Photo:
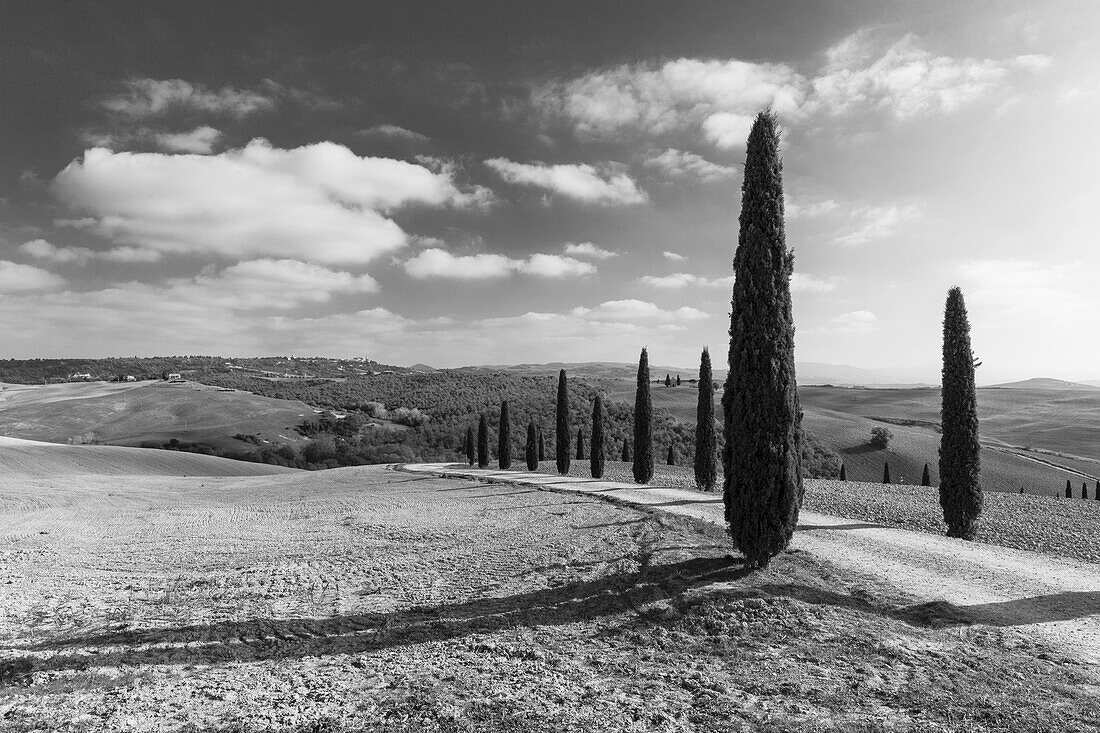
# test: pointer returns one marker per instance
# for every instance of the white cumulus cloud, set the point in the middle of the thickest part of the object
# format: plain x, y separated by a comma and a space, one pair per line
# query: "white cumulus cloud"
17, 278
201, 140
152, 97
605, 185
317, 203
678, 164
439, 263
587, 249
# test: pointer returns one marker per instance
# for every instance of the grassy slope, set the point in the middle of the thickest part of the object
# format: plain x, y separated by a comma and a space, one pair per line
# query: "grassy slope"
127, 414
839, 417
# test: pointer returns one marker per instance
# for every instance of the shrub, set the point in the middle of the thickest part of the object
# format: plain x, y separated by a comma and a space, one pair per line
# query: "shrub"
880, 437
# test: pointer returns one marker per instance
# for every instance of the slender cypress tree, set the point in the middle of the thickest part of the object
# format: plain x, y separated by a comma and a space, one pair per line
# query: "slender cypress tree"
643, 424
1069, 489
1096, 491
960, 452
1084, 490
677, 380
671, 460
596, 452
926, 477
504, 438
668, 381
761, 413
483, 442
470, 444
542, 447
886, 473
843, 473
580, 444
561, 434
626, 450
531, 453
706, 438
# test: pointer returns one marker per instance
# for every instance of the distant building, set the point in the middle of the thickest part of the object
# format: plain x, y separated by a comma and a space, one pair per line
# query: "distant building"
131, 378
175, 377
80, 377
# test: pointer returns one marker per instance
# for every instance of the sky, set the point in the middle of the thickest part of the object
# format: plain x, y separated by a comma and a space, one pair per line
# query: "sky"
518, 182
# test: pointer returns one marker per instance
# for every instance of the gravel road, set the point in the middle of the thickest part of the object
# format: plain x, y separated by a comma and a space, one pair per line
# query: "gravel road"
1055, 599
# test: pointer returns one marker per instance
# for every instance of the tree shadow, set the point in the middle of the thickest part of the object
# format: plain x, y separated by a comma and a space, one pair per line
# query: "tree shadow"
859, 449
812, 527
295, 638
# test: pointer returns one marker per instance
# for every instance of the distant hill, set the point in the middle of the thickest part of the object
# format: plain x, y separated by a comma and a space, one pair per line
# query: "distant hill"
422, 368
1047, 383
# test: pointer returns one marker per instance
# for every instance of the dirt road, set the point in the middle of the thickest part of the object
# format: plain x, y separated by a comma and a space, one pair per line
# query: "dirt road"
1056, 600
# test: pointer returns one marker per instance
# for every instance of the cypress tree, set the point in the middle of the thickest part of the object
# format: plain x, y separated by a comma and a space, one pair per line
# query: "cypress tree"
671, 455
1084, 490
706, 439
886, 473
504, 438
626, 450
531, 453
643, 424
542, 447
677, 380
926, 477
561, 435
580, 444
483, 442
1069, 489
668, 381
960, 452
470, 444
843, 473
761, 413
596, 452
1096, 491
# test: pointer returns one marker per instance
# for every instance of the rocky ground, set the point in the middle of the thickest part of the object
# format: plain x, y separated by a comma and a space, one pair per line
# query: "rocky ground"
366, 599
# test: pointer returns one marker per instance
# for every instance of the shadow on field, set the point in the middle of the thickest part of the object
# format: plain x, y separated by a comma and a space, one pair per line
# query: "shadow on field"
235, 641
811, 527
856, 450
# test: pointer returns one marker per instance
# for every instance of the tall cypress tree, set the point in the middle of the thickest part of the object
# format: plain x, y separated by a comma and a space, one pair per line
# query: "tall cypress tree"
531, 453
1084, 490
1069, 489
1096, 491
580, 444
706, 439
668, 381
626, 450
886, 473
561, 435
671, 458
483, 442
762, 417
677, 380
926, 477
596, 451
643, 424
470, 444
542, 447
504, 438
960, 452
843, 473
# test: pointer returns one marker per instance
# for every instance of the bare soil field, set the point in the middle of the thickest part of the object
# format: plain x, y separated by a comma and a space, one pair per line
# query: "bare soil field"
131, 412
370, 599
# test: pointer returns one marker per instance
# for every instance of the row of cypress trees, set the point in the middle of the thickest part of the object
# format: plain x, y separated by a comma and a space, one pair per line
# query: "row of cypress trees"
762, 417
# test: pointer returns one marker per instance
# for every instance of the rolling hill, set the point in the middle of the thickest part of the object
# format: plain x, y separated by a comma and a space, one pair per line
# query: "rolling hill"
134, 412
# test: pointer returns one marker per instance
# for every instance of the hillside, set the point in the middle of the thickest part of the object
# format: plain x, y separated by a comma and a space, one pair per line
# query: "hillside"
130, 413
33, 459
1047, 383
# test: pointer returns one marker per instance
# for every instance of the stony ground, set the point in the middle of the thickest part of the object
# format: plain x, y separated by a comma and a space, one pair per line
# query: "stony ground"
366, 599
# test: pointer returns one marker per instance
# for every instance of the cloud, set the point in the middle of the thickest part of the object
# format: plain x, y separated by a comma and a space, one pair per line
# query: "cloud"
637, 310
854, 323
318, 203
44, 250
270, 284
394, 131
906, 80
587, 249
153, 97
679, 280
875, 222
675, 257
16, 278
438, 263
656, 99
677, 164
795, 210
803, 283
604, 185
201, 140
